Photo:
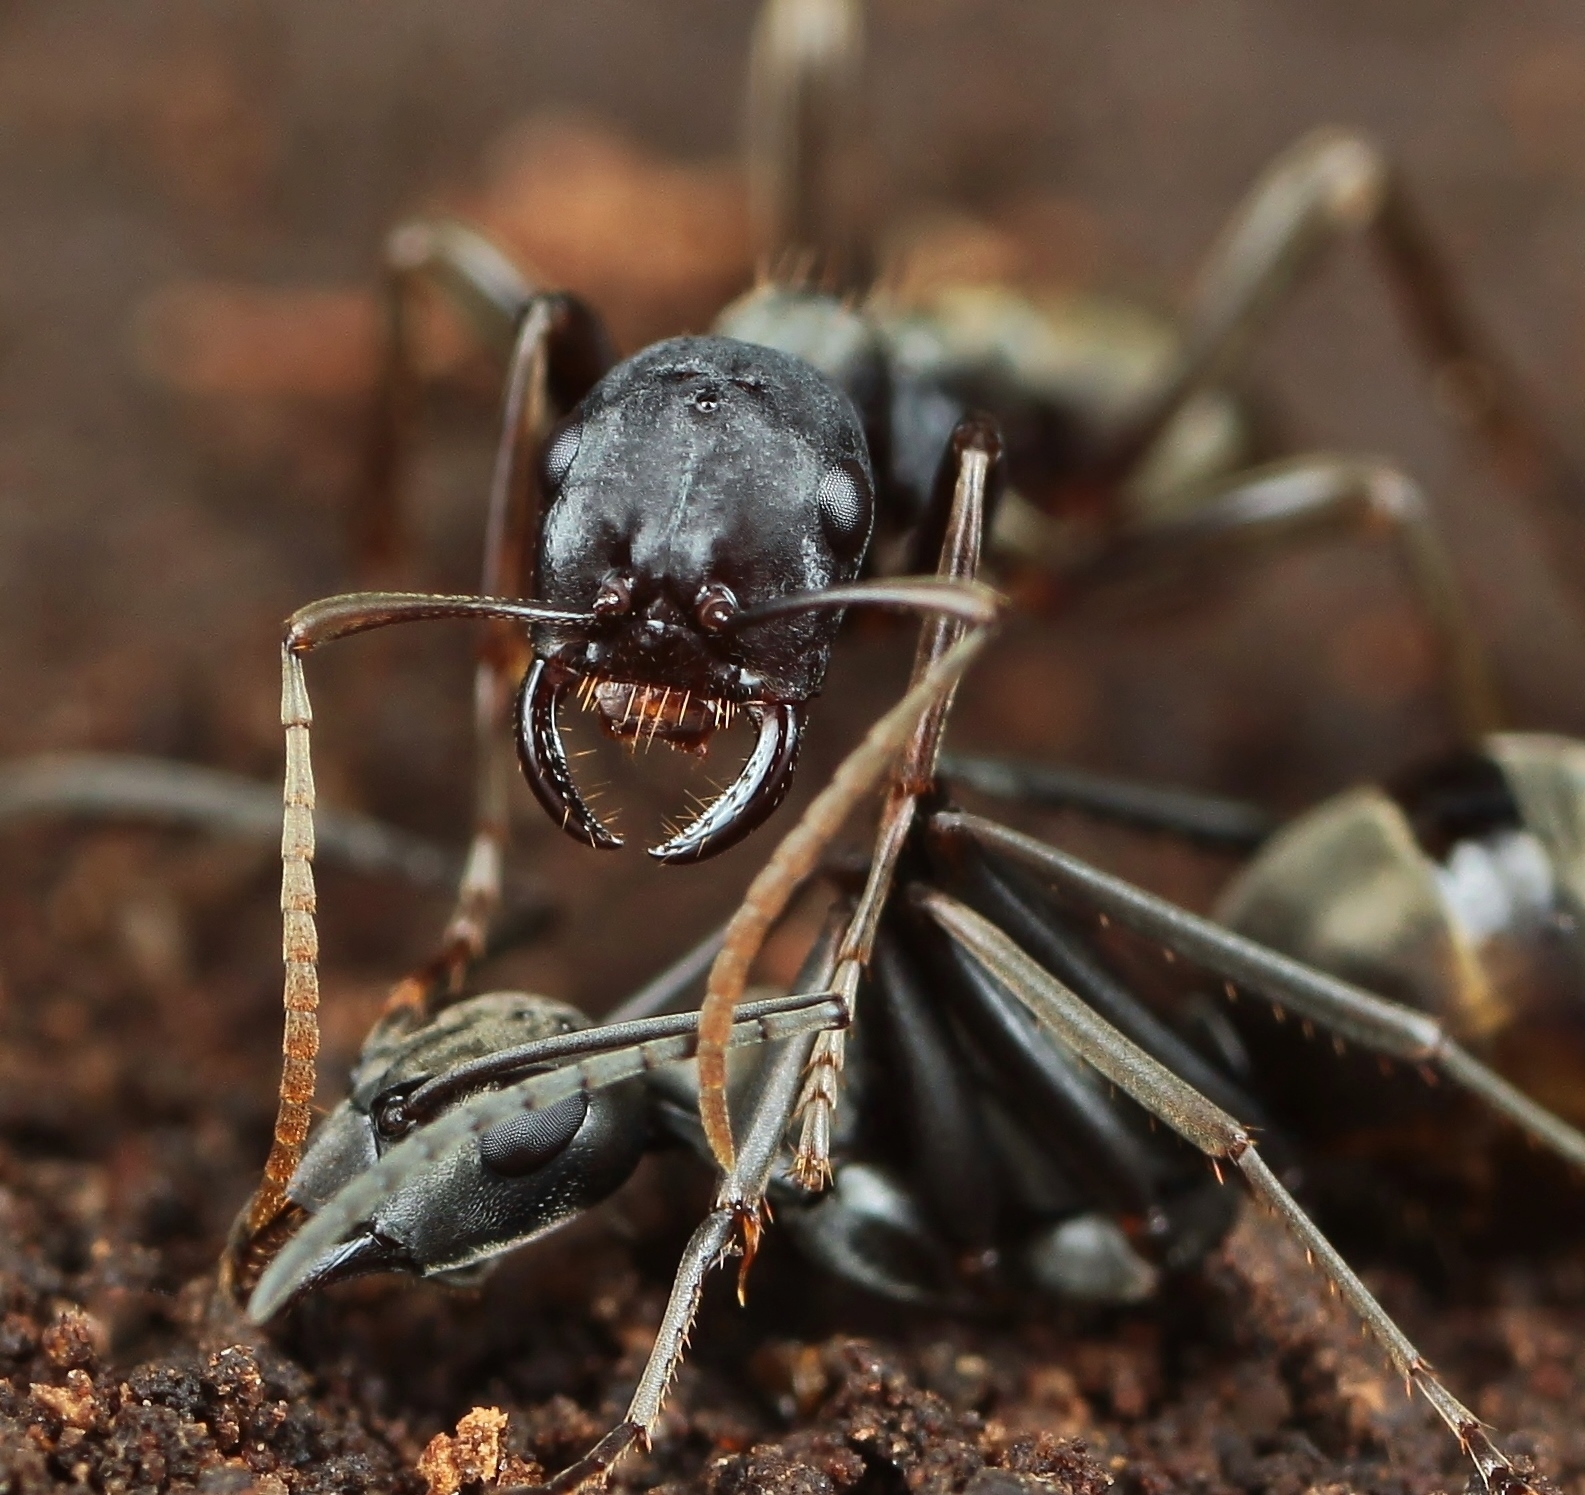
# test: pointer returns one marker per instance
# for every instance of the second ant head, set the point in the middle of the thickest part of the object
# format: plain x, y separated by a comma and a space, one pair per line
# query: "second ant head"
490, 1192
697, 484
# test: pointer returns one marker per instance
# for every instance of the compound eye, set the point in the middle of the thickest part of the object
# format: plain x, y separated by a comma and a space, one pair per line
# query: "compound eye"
560, 453
532, 1138
715, 607
615, 596
845, 501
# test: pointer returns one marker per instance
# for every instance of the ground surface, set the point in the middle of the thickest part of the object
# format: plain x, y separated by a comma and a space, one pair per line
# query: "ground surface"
174, 464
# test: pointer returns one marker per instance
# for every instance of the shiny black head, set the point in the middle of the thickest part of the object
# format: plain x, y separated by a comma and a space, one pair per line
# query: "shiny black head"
697, 481
491, 1192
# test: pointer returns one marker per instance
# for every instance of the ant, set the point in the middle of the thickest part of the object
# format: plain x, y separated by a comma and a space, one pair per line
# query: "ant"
469, 1134
700, 517
1130, 455
1090, 441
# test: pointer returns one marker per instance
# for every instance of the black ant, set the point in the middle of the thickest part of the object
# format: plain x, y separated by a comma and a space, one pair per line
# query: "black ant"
983, 1030
1109, 479
708, 512
1129, 455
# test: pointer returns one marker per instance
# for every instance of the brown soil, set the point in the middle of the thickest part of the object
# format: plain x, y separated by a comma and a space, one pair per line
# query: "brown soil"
192, 199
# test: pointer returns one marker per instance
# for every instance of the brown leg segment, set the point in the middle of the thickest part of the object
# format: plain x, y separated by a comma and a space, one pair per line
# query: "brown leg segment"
320, 622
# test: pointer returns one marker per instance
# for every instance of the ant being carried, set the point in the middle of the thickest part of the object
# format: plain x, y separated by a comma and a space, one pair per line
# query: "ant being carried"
694, 521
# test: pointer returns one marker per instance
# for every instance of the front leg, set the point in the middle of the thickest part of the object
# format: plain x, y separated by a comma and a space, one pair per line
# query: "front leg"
558, 350
556, 336
972, 474
734, 1222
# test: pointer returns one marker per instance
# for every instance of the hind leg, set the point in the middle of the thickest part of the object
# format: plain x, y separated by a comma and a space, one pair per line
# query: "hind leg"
1221, 1138
1334, 184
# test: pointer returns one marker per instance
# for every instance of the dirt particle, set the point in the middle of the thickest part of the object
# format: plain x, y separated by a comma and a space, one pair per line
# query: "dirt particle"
474, 1455
74, 1404
74, 1341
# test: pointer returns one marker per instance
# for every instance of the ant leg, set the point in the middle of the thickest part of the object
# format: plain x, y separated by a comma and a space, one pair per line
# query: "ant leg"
999, 894
1072, 1120
510, 524
558, 351
1219, 1136
803, 125
1331, 183
908, 735
1140, 1221
975, 452
738, 1210
319, 623
1374, 1023
793, 861
123, 786
590, 1060
492, 295
1208, 820
1318, 496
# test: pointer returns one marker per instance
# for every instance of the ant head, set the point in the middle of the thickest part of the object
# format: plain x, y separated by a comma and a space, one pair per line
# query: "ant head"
490, 1192
697, 482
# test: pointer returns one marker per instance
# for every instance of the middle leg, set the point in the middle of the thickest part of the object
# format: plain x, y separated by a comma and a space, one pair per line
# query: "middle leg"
558, 350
